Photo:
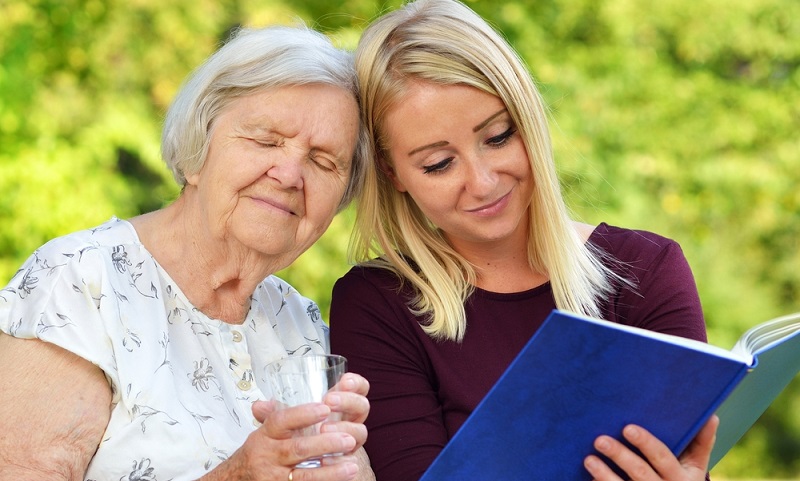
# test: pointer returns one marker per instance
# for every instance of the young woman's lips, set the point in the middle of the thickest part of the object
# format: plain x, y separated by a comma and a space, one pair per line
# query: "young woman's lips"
492, 208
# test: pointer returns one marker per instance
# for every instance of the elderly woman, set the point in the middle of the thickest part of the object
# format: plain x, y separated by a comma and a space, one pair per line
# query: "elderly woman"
136, 350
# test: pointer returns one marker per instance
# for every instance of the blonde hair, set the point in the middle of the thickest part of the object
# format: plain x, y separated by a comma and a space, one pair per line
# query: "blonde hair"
444, 41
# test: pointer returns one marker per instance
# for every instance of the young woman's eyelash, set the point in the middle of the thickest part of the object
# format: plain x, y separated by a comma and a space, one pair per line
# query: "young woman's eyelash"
437, 167
496, 141
501, 139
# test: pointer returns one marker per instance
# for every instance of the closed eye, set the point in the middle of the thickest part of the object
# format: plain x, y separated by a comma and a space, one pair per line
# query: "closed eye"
324, 163
440, 166
502, 139
265, 143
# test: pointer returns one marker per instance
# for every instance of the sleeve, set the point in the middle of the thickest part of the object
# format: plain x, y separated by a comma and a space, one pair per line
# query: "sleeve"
665, 298
55, 297
372, 327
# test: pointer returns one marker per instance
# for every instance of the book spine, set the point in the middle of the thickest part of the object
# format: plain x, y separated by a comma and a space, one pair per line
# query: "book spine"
690, 435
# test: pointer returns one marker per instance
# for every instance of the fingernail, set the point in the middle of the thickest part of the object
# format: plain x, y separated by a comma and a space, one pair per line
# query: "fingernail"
350, 442
631, 432
333, 399
328, 428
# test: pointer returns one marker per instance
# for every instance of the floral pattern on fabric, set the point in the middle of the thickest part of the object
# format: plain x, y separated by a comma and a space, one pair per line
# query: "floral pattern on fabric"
182, 383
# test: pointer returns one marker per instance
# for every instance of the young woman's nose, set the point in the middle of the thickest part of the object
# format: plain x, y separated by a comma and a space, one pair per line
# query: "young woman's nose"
481, 177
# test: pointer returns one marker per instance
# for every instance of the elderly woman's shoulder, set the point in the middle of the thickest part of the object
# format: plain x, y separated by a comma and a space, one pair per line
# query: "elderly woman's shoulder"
111, 233
280, 292
77, 263
113, 242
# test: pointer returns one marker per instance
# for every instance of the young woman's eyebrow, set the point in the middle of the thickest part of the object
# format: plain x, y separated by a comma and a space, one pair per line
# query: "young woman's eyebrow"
491, 117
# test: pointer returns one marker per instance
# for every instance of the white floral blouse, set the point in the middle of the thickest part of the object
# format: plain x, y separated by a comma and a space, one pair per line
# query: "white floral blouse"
182, 383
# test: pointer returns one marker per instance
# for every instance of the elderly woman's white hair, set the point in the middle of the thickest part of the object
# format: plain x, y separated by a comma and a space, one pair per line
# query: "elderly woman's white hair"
253, 60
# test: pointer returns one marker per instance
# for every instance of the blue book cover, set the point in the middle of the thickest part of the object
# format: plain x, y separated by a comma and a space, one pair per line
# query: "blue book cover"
578, 378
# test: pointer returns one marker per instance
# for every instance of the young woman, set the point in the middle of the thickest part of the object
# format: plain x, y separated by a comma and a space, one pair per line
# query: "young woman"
465, 245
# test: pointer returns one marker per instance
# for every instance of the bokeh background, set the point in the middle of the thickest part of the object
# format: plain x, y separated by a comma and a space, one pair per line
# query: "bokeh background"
677, 116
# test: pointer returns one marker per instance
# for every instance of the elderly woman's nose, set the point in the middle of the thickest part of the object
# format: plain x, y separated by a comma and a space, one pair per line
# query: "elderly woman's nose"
288, 169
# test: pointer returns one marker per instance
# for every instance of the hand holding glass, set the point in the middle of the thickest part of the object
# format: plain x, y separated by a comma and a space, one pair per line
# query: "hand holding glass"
297, 380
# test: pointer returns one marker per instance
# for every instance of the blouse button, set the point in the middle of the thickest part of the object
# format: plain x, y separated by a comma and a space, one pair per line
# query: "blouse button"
237, 336
243, 385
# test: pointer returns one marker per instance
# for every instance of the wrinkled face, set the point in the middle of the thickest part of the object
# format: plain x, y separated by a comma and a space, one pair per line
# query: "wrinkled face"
277, 167
455, 150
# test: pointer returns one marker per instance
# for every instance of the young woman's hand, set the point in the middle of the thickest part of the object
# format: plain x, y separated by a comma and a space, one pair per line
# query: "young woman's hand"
658, 463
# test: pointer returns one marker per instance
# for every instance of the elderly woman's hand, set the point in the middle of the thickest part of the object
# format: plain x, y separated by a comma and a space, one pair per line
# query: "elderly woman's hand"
272, 451
350, 400
660, 463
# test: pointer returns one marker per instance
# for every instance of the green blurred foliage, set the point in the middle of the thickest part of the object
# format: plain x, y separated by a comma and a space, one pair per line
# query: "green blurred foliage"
677, 116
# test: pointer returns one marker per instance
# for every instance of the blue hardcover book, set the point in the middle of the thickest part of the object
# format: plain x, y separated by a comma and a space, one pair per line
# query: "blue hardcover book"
578, 378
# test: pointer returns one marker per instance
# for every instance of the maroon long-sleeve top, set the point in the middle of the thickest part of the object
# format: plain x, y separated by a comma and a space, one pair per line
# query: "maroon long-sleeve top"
422, 390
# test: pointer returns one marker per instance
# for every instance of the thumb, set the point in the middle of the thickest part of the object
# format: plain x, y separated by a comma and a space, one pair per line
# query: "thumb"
699, 451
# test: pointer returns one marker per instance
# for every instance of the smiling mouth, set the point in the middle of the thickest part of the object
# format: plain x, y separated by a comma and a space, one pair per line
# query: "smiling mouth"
275, 205
492, 207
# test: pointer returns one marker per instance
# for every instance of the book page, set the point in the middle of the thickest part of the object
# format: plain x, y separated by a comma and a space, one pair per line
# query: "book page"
763, 336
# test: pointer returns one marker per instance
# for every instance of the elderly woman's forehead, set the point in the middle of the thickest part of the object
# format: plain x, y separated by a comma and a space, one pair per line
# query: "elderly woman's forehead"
287, 99
328, 114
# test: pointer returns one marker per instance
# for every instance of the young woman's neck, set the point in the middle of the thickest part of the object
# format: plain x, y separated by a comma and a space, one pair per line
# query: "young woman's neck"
501, 266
